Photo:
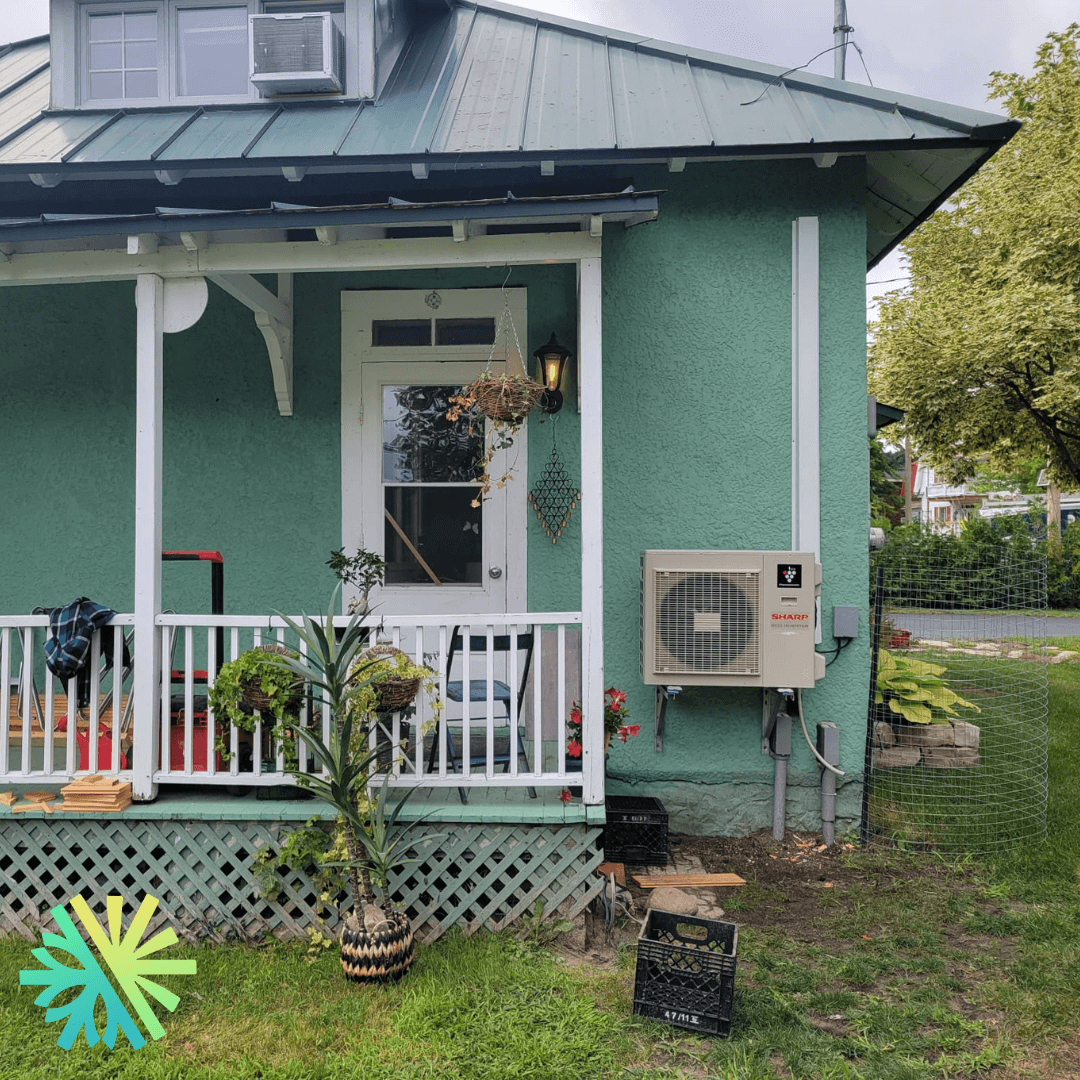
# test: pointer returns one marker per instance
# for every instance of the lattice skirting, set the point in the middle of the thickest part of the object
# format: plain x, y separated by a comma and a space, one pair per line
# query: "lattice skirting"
469, 875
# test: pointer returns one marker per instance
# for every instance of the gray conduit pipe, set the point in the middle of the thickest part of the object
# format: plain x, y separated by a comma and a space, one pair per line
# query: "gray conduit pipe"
781, 751
828, 738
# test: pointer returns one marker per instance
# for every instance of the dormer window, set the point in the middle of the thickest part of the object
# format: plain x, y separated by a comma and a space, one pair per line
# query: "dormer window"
211, 56
122, 54
159, 52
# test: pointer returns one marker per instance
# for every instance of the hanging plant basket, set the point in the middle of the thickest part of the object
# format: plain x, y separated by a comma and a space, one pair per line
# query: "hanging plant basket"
251, 689
378, 956
507, 399
392, 692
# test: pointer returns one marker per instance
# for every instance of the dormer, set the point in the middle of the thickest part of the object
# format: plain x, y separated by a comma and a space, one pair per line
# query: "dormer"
134, 54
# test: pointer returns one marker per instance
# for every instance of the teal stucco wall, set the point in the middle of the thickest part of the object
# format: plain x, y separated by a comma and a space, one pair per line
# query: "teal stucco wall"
697, 367
697, 427
263, 489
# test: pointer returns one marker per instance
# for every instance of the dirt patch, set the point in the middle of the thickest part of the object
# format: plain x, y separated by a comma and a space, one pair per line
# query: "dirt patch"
784, 878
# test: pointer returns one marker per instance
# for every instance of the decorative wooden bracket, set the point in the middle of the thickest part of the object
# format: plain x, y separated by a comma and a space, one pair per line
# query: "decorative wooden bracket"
274, 318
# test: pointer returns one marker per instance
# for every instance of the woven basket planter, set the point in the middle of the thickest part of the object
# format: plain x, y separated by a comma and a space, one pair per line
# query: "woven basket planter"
394, 691
253, 696
379, 957
508, 399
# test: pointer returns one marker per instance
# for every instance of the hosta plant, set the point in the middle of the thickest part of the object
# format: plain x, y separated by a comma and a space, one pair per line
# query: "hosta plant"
916, 690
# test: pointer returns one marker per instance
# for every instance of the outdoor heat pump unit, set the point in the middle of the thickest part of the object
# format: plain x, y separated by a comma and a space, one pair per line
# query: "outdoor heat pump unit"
729, 618
297, 54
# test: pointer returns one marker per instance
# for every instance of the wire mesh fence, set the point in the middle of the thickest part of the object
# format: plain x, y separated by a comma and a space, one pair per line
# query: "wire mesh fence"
956, 749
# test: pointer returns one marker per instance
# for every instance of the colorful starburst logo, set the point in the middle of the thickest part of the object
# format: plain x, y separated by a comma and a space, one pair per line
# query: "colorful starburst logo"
124, 957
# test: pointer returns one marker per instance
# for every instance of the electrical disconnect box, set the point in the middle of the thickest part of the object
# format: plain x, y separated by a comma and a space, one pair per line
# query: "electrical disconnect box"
845, 622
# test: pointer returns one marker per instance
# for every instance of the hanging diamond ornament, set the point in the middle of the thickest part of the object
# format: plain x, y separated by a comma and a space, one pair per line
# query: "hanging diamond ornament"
554, 498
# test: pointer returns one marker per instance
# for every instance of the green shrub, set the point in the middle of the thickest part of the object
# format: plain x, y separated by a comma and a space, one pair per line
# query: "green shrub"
993, 563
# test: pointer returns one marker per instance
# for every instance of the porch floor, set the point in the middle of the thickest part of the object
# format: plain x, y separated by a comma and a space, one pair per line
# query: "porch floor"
486, 804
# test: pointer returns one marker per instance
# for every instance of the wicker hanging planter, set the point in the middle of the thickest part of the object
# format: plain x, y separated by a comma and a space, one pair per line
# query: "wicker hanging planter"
378, 956
507, 399
252, 694
392, 692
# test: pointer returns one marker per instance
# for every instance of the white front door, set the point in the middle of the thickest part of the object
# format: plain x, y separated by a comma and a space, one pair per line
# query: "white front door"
408, 473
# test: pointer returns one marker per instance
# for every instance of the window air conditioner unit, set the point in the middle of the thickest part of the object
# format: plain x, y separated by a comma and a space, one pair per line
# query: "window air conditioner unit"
729, 618
297, 54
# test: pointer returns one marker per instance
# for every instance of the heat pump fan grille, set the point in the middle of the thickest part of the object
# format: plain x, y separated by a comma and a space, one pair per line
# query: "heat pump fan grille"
707, 622
288, 45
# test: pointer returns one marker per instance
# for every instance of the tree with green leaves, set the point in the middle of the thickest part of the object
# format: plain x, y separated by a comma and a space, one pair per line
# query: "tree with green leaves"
886, 476
982, 348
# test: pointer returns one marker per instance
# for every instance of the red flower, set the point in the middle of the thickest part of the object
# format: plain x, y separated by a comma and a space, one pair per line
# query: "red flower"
629, 730
573, 748
565, 796
617, 696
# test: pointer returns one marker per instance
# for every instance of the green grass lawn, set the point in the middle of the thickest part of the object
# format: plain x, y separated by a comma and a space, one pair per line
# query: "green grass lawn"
911, 967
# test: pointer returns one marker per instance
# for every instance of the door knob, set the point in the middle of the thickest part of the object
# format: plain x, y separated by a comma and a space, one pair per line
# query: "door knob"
495, 571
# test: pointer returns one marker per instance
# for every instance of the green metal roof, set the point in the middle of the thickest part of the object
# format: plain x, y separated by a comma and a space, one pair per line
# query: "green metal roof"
490, 86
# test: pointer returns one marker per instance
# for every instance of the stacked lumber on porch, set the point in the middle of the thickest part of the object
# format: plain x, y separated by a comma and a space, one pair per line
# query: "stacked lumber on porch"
96, 793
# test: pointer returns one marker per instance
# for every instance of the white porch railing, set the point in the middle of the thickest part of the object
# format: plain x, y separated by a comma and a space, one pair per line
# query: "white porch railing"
37, 741
196, 747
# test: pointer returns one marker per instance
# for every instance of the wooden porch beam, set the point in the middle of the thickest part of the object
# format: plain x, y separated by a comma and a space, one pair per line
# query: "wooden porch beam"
274, 318
175, 260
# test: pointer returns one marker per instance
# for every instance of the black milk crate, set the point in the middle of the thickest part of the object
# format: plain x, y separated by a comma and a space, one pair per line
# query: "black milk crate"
636, 831
686, 972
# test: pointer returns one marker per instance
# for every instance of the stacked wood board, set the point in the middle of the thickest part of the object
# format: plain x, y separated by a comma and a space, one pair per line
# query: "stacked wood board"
96, 793
35, 800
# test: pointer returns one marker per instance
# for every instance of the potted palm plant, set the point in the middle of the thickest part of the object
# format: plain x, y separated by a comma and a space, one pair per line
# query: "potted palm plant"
377, 938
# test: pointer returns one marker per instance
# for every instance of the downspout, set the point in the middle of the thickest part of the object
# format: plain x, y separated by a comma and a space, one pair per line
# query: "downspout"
805, 445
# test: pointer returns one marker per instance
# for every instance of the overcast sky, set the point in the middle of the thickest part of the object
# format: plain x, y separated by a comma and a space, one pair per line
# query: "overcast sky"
939, 49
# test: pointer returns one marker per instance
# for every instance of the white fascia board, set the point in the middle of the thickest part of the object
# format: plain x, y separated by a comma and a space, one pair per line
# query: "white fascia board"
68, 267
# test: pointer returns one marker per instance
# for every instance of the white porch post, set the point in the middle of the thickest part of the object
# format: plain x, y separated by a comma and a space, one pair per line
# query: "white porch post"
146, 684
590, 355
805, 392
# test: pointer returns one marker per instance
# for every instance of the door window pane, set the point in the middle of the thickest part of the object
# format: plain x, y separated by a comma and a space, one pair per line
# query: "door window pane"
419, 444
212, 51
443, 529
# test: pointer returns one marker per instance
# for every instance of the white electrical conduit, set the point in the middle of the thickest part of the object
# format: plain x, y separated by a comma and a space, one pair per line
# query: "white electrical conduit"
806, 735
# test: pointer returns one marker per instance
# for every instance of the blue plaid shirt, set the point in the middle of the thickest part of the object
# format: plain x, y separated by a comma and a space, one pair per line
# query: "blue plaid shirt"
72, 626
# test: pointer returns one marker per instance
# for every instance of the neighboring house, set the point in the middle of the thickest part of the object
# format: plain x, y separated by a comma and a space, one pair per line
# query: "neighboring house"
1008, 503
945, 507
695, 227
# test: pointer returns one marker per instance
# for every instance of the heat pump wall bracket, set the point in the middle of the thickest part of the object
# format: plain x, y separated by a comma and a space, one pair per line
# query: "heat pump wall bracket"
663, 695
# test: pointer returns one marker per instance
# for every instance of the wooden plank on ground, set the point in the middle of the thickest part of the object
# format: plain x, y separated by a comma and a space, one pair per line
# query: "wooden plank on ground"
687, 881
8, 797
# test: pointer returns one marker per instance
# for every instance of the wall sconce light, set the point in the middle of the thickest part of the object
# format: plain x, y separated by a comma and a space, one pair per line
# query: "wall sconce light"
552, 359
